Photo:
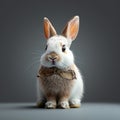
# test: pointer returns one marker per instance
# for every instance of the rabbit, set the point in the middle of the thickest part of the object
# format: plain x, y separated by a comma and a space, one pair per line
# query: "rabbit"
59, 82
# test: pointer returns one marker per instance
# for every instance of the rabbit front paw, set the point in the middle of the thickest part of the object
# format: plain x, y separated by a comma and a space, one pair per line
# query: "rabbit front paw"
50, 105
64, 105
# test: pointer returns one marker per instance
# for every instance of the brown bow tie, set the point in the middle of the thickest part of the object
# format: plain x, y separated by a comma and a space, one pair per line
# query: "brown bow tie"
66, 74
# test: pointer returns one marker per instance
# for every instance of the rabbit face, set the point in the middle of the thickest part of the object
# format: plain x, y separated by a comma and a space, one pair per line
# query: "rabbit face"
57, 53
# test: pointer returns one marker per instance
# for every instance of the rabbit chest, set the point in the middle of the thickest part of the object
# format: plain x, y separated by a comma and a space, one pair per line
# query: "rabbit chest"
56, 81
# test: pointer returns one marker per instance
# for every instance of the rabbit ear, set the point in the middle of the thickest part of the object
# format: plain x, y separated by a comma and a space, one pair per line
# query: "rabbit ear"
49, 30
71, 29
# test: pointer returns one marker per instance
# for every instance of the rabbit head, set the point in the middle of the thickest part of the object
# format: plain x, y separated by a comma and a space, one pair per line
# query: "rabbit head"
57, 51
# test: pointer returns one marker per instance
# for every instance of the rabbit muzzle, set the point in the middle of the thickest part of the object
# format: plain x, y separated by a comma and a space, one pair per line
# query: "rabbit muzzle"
52, 57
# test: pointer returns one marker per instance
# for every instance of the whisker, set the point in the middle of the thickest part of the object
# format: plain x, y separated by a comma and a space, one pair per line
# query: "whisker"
31, 65
35, 53
37, 57
37, 50
42, 34
78, 62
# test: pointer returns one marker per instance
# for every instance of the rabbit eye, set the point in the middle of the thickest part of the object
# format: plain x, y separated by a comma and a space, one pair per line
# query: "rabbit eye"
46, 47
63, 48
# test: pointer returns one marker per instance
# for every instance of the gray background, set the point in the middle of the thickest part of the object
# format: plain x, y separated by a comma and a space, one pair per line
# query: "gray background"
96, 48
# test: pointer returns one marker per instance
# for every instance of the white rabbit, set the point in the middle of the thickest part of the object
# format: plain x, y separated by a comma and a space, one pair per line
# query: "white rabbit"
59, 81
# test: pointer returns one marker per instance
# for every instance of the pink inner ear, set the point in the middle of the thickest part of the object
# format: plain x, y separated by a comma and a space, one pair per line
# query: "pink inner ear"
73, 30
49, 30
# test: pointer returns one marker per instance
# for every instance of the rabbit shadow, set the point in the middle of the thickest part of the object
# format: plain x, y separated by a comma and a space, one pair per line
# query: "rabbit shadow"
34, 107
28, 107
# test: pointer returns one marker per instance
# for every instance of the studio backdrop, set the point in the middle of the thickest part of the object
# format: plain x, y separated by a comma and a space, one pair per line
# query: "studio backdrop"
96, 48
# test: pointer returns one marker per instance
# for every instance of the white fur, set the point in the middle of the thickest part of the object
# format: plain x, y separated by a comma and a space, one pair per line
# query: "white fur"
77, 90
67, 59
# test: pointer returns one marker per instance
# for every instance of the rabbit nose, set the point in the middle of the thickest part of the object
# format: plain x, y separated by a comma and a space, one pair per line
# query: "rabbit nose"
52, 58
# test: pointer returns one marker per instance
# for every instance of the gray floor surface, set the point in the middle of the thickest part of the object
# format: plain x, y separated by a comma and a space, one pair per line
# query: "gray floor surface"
88, 111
